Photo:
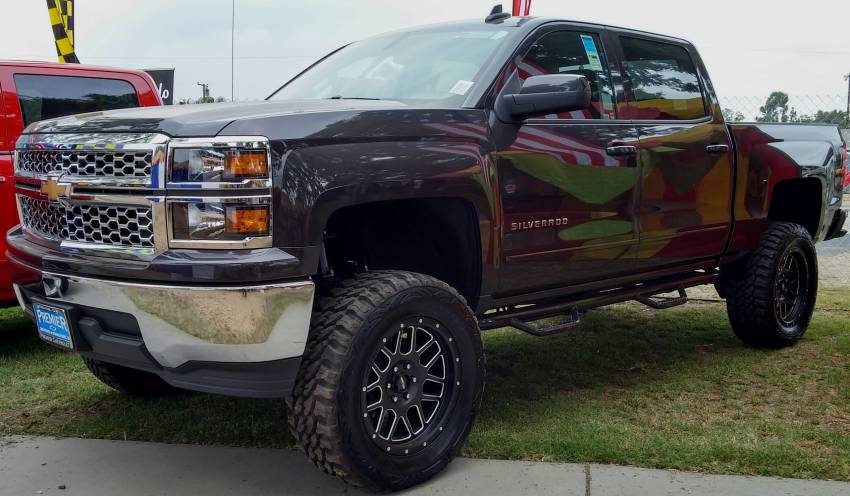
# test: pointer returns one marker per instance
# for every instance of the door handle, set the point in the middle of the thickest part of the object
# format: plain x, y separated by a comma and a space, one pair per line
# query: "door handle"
620, 150
716, 149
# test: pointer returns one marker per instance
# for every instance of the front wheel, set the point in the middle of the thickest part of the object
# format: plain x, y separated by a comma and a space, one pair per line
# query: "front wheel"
391, 380
771, 294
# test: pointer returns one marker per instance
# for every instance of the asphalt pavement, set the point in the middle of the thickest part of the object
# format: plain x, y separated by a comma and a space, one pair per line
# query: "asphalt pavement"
36, 466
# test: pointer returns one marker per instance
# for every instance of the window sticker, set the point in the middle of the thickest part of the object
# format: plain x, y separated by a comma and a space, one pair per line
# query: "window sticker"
592, 52
461, 87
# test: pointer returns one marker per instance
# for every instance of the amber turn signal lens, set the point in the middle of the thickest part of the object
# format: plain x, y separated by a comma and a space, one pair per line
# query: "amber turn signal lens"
248, 220
239, 164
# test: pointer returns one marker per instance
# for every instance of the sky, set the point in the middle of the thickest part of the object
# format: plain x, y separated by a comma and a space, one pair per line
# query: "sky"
750, 47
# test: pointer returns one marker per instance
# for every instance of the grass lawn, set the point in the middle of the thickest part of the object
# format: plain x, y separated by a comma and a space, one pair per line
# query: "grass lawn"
671, 389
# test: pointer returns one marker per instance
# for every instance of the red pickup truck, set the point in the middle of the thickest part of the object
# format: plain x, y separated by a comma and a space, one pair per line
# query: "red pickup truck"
34, 91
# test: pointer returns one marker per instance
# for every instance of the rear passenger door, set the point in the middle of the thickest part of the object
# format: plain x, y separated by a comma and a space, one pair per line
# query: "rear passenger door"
685, 152
568, 205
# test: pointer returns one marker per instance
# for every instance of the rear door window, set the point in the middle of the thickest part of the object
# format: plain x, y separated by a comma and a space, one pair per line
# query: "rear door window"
664, 83
47, 97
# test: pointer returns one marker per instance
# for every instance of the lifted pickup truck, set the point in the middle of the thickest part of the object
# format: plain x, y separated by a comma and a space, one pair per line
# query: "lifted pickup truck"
343, 244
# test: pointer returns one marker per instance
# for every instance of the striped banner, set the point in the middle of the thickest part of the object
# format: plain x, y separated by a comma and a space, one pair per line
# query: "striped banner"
522, 7
62, 21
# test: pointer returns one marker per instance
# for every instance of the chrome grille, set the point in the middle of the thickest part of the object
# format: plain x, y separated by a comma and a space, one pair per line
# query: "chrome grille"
80, 163
106, 225
44, 218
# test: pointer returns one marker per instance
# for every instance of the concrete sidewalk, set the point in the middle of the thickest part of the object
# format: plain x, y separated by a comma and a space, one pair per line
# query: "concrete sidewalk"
31, 466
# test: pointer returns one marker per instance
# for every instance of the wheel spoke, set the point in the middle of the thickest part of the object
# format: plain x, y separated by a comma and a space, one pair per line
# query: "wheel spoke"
376, 402
441, 361
430, 357
406, 425
377, 372
788, 263
431, 391
420, 349
384, 356
429, 409
376, 425
393, 427
420, 420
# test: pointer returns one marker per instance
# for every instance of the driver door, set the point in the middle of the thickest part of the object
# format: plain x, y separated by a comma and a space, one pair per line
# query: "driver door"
568, 200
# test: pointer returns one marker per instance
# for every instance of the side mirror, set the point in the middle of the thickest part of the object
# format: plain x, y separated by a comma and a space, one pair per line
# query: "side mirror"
547, 94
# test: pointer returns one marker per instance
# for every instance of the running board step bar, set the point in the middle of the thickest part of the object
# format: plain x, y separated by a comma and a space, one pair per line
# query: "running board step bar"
526, 327
653, 301
520, 315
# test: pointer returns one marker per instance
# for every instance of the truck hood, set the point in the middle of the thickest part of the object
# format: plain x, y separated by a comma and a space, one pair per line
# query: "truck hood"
208, 119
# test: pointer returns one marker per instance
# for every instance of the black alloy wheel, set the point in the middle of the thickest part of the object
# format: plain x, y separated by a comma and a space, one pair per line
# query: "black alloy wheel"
410, 385
790, 292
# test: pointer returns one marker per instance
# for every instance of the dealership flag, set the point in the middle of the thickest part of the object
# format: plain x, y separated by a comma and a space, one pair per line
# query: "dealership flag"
62, 21
522, 7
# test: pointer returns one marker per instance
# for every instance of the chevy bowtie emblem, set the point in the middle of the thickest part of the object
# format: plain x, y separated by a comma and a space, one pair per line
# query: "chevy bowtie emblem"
55, 190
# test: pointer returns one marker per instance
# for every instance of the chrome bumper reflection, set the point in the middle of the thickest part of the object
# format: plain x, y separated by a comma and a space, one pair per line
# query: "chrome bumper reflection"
210, 324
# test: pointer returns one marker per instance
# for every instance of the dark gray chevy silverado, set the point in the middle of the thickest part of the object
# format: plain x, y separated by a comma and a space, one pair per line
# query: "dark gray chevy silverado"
342, 245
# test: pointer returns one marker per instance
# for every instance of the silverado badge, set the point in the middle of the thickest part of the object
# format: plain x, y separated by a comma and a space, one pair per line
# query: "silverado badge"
538, 224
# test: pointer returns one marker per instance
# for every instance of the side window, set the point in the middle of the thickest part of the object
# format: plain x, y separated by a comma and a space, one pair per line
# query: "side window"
664, 82
571, 52
46, 97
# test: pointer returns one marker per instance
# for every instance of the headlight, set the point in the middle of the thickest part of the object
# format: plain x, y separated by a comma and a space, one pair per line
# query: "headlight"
231, 217
225, 163
220, 219
209, 165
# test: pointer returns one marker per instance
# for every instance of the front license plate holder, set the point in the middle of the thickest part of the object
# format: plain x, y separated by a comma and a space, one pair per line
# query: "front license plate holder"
54, 325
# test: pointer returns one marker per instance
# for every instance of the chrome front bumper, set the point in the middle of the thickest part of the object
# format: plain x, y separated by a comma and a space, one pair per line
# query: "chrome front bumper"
181, 324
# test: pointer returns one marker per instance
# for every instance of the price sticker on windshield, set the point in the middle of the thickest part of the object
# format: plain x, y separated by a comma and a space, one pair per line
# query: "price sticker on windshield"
461, 87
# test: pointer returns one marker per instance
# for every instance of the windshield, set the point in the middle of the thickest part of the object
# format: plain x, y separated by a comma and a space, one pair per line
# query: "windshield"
433, 66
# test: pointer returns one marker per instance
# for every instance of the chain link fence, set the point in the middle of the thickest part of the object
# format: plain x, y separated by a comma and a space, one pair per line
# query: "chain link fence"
782, 107
834, 259
834, 256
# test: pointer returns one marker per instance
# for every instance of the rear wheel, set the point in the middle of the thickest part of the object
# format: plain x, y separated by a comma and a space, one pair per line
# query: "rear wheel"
129, 381
391, 380
771, 294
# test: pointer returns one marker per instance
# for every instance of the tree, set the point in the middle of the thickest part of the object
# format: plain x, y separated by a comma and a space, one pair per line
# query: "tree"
838, 117
732, 115
775, 109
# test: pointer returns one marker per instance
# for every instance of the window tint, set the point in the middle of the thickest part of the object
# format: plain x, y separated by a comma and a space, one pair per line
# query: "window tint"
46, 97
664, 82
568, 52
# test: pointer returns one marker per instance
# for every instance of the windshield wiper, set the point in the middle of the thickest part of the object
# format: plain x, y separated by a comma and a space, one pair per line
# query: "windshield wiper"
340, 97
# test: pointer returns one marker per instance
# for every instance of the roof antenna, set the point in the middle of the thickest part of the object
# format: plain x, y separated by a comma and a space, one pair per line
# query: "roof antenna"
496, 15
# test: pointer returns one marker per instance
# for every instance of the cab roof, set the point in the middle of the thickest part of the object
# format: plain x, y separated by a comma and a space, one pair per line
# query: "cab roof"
68, 67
